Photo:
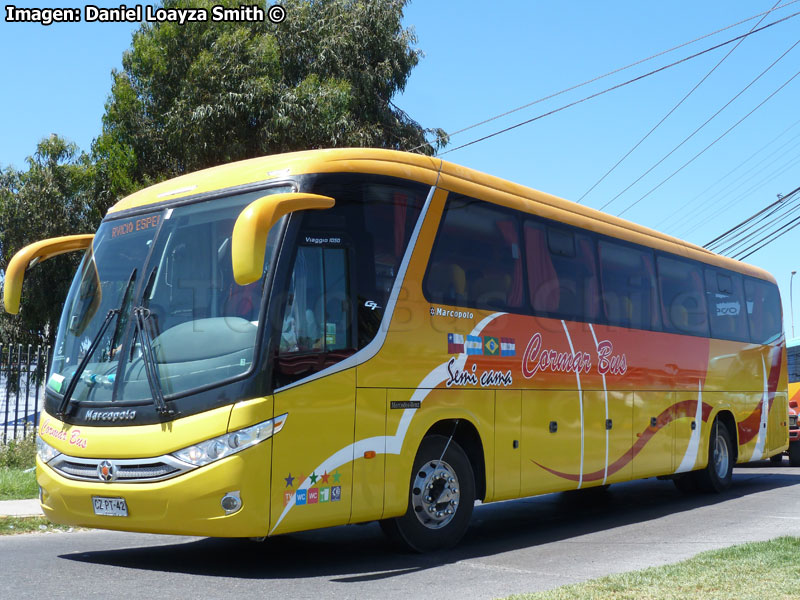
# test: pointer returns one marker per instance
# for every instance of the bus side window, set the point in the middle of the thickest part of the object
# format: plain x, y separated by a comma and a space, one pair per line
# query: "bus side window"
763, 311
683, 304
725, 299
476, 259
562, 272
793, 363
628, 280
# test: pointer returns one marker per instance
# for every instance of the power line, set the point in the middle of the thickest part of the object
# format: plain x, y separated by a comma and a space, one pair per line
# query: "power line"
697, 130
620, 85
768, 238
599, 77
774, 236
737, 235
696, 156
742, 237
686, 216
745, 194
673, 109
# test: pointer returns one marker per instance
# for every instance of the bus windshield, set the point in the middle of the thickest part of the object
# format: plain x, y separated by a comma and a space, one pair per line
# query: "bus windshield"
173, 268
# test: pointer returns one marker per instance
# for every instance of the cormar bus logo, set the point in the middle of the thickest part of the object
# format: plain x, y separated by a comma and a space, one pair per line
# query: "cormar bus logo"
110, 415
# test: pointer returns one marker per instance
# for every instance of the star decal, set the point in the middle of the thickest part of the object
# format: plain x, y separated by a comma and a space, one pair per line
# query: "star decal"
336, 477
289, 480
325, 477
313, 478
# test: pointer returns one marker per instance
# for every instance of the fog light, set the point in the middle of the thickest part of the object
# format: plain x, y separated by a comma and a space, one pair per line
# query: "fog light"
231, 502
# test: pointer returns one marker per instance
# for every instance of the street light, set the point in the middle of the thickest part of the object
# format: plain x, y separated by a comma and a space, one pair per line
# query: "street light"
791, 300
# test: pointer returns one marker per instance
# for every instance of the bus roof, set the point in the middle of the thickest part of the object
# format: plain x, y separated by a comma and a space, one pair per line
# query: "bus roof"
430, 171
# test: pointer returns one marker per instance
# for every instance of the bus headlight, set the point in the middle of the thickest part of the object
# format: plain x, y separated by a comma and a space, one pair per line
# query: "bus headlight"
230, 443
45, 451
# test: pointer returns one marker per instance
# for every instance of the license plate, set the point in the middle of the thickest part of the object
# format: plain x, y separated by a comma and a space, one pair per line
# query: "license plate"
110, 507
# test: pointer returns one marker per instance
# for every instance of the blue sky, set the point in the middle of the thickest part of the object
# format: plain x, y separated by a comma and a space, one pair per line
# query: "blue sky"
483, 59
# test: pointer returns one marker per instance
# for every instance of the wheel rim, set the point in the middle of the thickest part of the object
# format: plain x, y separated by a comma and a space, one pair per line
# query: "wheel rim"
721, 457
435, 494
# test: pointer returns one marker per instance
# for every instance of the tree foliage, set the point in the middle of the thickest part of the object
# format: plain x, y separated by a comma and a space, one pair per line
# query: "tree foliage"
200, 94
52, 198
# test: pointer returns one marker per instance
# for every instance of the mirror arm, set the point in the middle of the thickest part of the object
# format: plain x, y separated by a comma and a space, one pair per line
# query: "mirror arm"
32, 255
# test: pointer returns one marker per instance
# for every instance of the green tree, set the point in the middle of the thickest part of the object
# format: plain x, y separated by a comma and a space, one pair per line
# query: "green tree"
201, 94
50, 199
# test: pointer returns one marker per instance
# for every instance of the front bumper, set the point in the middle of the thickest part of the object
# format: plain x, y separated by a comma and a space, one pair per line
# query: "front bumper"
188, 504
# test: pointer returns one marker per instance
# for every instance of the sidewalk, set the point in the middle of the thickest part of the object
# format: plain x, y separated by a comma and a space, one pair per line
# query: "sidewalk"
20, 508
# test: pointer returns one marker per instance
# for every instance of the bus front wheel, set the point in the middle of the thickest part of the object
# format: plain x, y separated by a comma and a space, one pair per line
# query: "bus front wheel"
718, 474
441, 497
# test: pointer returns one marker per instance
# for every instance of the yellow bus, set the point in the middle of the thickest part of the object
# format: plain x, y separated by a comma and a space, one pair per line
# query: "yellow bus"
793, 366
340, 336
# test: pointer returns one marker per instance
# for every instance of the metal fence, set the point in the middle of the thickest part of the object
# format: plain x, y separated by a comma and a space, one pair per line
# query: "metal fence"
22, 376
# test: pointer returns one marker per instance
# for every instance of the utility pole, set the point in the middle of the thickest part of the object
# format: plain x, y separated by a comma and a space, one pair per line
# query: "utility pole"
791, 300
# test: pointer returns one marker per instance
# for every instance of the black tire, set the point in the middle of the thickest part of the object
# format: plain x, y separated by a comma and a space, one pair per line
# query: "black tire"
453, 481
718, 474
776, 459
794, 454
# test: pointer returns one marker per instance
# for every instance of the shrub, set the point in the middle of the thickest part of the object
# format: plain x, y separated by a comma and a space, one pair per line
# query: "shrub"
19, 454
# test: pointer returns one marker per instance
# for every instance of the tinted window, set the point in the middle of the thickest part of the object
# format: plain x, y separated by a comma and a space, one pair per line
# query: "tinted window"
476, 259
317, 315
562, 272
628, 284
793, 363
375, 216
725, 300
763, 311
683, 305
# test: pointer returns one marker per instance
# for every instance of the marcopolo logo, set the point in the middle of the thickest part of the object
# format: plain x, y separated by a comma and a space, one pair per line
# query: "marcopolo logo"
110, 415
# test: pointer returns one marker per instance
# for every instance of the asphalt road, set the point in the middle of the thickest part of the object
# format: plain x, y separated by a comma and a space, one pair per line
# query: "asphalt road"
512, 547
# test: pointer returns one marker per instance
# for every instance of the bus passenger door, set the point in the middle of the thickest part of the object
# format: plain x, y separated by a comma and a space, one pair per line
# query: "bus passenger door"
312, 456
369, 459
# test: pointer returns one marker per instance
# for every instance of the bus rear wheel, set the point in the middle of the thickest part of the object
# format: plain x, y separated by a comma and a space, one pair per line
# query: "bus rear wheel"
794, 454
441, 497
718, 474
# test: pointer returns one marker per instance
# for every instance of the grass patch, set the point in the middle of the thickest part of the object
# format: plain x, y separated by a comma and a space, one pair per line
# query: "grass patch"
16, 484
15, 525
749, 571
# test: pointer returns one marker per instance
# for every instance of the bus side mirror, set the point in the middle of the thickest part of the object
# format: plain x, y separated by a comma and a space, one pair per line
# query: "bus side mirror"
32, 255
249, 242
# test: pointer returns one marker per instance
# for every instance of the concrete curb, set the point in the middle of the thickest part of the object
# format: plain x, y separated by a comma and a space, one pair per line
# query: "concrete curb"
21, 508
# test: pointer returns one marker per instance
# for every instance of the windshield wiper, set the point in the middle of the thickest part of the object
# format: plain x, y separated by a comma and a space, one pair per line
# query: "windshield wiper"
73, 383
141, 316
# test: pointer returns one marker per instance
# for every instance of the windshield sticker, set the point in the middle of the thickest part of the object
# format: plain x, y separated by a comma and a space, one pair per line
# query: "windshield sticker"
56, 382
135, 225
